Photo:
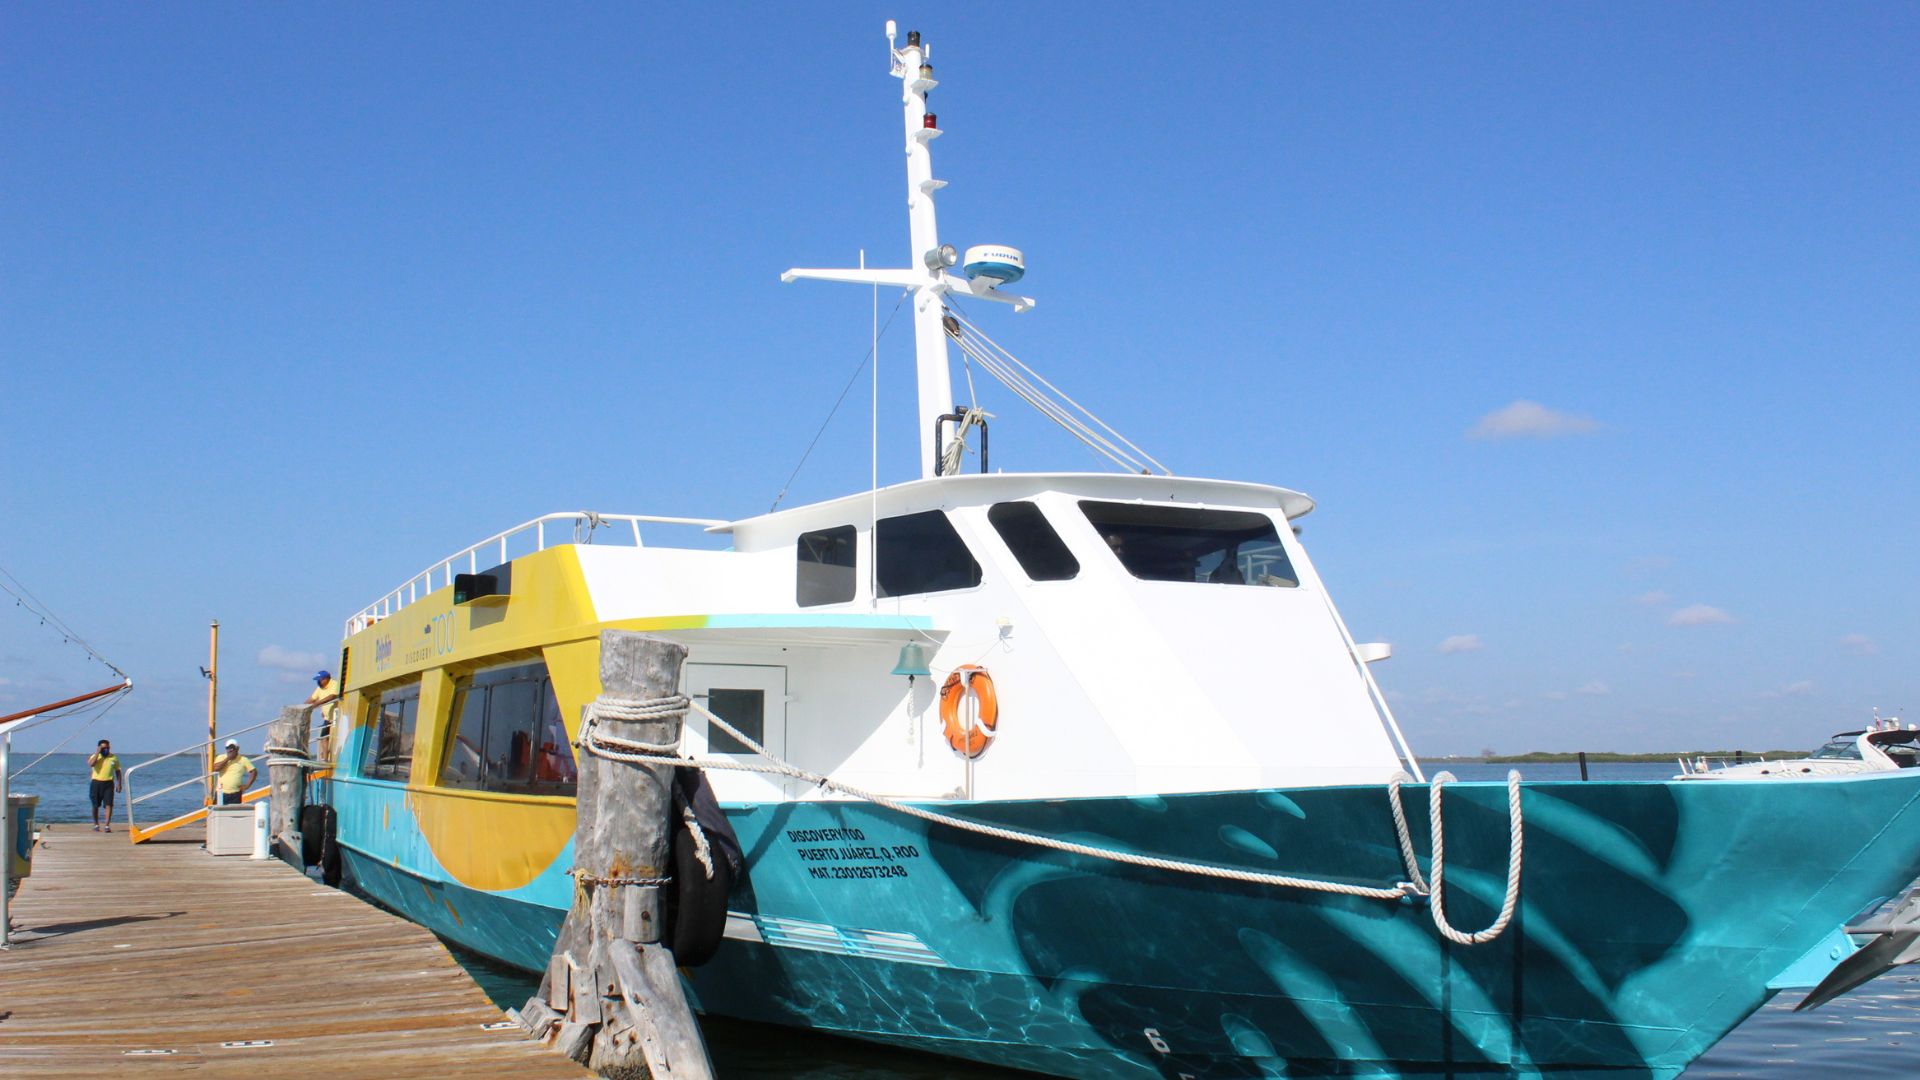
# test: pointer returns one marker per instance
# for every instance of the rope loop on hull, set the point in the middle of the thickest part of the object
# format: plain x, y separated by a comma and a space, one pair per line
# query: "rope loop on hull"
592, 741
1436, 891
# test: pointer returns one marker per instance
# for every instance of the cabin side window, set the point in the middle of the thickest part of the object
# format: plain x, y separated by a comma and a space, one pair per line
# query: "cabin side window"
1193, 544
1039, 550
824, 567
508, 734
921, 553
391, 718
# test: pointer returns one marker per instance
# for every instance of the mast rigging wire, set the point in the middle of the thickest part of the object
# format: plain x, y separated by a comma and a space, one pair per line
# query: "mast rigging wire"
1033, 388
23, 598
839, 401
110, 704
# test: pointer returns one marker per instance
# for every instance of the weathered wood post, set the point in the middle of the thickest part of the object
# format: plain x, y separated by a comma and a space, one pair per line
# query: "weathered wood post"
287, 773
611, 997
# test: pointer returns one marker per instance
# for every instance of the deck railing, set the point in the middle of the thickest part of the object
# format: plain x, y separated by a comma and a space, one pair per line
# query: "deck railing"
139, 833
583, 524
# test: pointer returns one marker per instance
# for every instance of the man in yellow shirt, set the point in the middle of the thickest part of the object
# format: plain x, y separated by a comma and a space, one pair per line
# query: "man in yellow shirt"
236, 774
104, 767
327, 695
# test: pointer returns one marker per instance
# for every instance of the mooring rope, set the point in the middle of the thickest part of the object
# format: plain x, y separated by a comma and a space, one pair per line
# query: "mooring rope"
635, 752
291, 755
1436, 891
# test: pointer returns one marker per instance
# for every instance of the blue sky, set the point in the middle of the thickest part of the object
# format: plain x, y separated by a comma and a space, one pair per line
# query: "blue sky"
1592, 328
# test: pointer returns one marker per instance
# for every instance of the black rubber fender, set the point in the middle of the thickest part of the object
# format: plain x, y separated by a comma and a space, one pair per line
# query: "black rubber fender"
329, 848
312, 832
696, 919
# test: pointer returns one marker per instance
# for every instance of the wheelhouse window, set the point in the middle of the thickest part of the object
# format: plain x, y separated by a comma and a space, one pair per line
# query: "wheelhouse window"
1038, 549
921, 553
508, 734
1193, 544
824, 572
391, 719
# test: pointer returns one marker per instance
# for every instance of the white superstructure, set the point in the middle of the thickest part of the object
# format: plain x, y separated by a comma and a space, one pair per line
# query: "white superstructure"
1143, 634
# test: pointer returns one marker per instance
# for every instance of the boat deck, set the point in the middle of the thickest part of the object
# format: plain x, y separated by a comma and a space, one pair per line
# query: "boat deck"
162, 958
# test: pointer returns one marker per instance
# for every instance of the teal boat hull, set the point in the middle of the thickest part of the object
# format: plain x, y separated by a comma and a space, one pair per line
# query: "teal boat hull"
1653, 918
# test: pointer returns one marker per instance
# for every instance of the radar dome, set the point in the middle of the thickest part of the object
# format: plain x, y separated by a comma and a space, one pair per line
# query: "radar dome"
994, 265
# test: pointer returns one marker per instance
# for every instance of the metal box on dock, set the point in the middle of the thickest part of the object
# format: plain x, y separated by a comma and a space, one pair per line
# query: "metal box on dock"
230, 830
22, 809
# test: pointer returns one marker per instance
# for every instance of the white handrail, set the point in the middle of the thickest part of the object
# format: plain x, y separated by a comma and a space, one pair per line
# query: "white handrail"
409, 591
206, 745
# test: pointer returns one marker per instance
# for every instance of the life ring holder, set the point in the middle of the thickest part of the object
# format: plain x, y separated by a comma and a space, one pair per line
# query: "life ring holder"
969, 680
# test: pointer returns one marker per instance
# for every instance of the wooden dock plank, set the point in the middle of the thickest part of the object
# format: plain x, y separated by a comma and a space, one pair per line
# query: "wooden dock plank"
120, 948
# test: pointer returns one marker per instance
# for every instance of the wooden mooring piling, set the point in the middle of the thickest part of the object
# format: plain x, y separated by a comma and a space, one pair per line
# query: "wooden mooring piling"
612, 997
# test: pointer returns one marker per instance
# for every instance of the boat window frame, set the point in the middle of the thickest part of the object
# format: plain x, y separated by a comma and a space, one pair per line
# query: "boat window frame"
808, 584
1847, 748
407, 693
1021, 553
486, 679
1276, 530
880, 546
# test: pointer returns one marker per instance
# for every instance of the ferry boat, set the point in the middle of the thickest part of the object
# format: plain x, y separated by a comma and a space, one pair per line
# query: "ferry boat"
1216, 856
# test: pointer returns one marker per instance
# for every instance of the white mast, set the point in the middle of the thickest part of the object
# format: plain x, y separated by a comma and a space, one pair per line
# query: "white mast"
928, 259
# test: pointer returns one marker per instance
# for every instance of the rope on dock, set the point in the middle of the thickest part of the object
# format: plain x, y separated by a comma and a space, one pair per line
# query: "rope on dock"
593, 741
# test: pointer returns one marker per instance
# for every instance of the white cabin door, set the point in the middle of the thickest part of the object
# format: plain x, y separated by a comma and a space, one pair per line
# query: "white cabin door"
752, 698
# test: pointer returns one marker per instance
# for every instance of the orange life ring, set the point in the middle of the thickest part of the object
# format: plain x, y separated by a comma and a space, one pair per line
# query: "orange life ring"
969, 679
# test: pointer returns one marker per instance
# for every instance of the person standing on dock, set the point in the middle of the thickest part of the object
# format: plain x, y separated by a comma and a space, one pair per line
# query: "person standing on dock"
236, 775
327, 697
105, 766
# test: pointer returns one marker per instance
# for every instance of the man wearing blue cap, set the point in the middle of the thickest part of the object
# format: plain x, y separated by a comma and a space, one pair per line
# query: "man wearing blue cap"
324, 694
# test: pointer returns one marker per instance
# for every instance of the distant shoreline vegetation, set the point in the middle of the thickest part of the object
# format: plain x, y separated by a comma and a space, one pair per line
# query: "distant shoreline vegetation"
1540, 757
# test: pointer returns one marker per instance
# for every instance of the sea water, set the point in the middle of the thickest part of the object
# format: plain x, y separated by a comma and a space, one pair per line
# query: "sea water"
61, 782
1874, 1032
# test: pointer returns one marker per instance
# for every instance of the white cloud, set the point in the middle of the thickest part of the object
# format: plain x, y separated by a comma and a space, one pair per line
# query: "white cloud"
273, 656
1652, 599
1595, 688
1860, 643
1556, 695
1460, 643
1699, 615
1531, 420
1792, 689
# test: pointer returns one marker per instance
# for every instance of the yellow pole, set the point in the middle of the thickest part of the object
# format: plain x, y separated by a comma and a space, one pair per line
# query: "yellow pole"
213, 700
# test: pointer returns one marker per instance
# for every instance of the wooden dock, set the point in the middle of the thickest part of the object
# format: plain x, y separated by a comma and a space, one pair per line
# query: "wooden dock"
161, 958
